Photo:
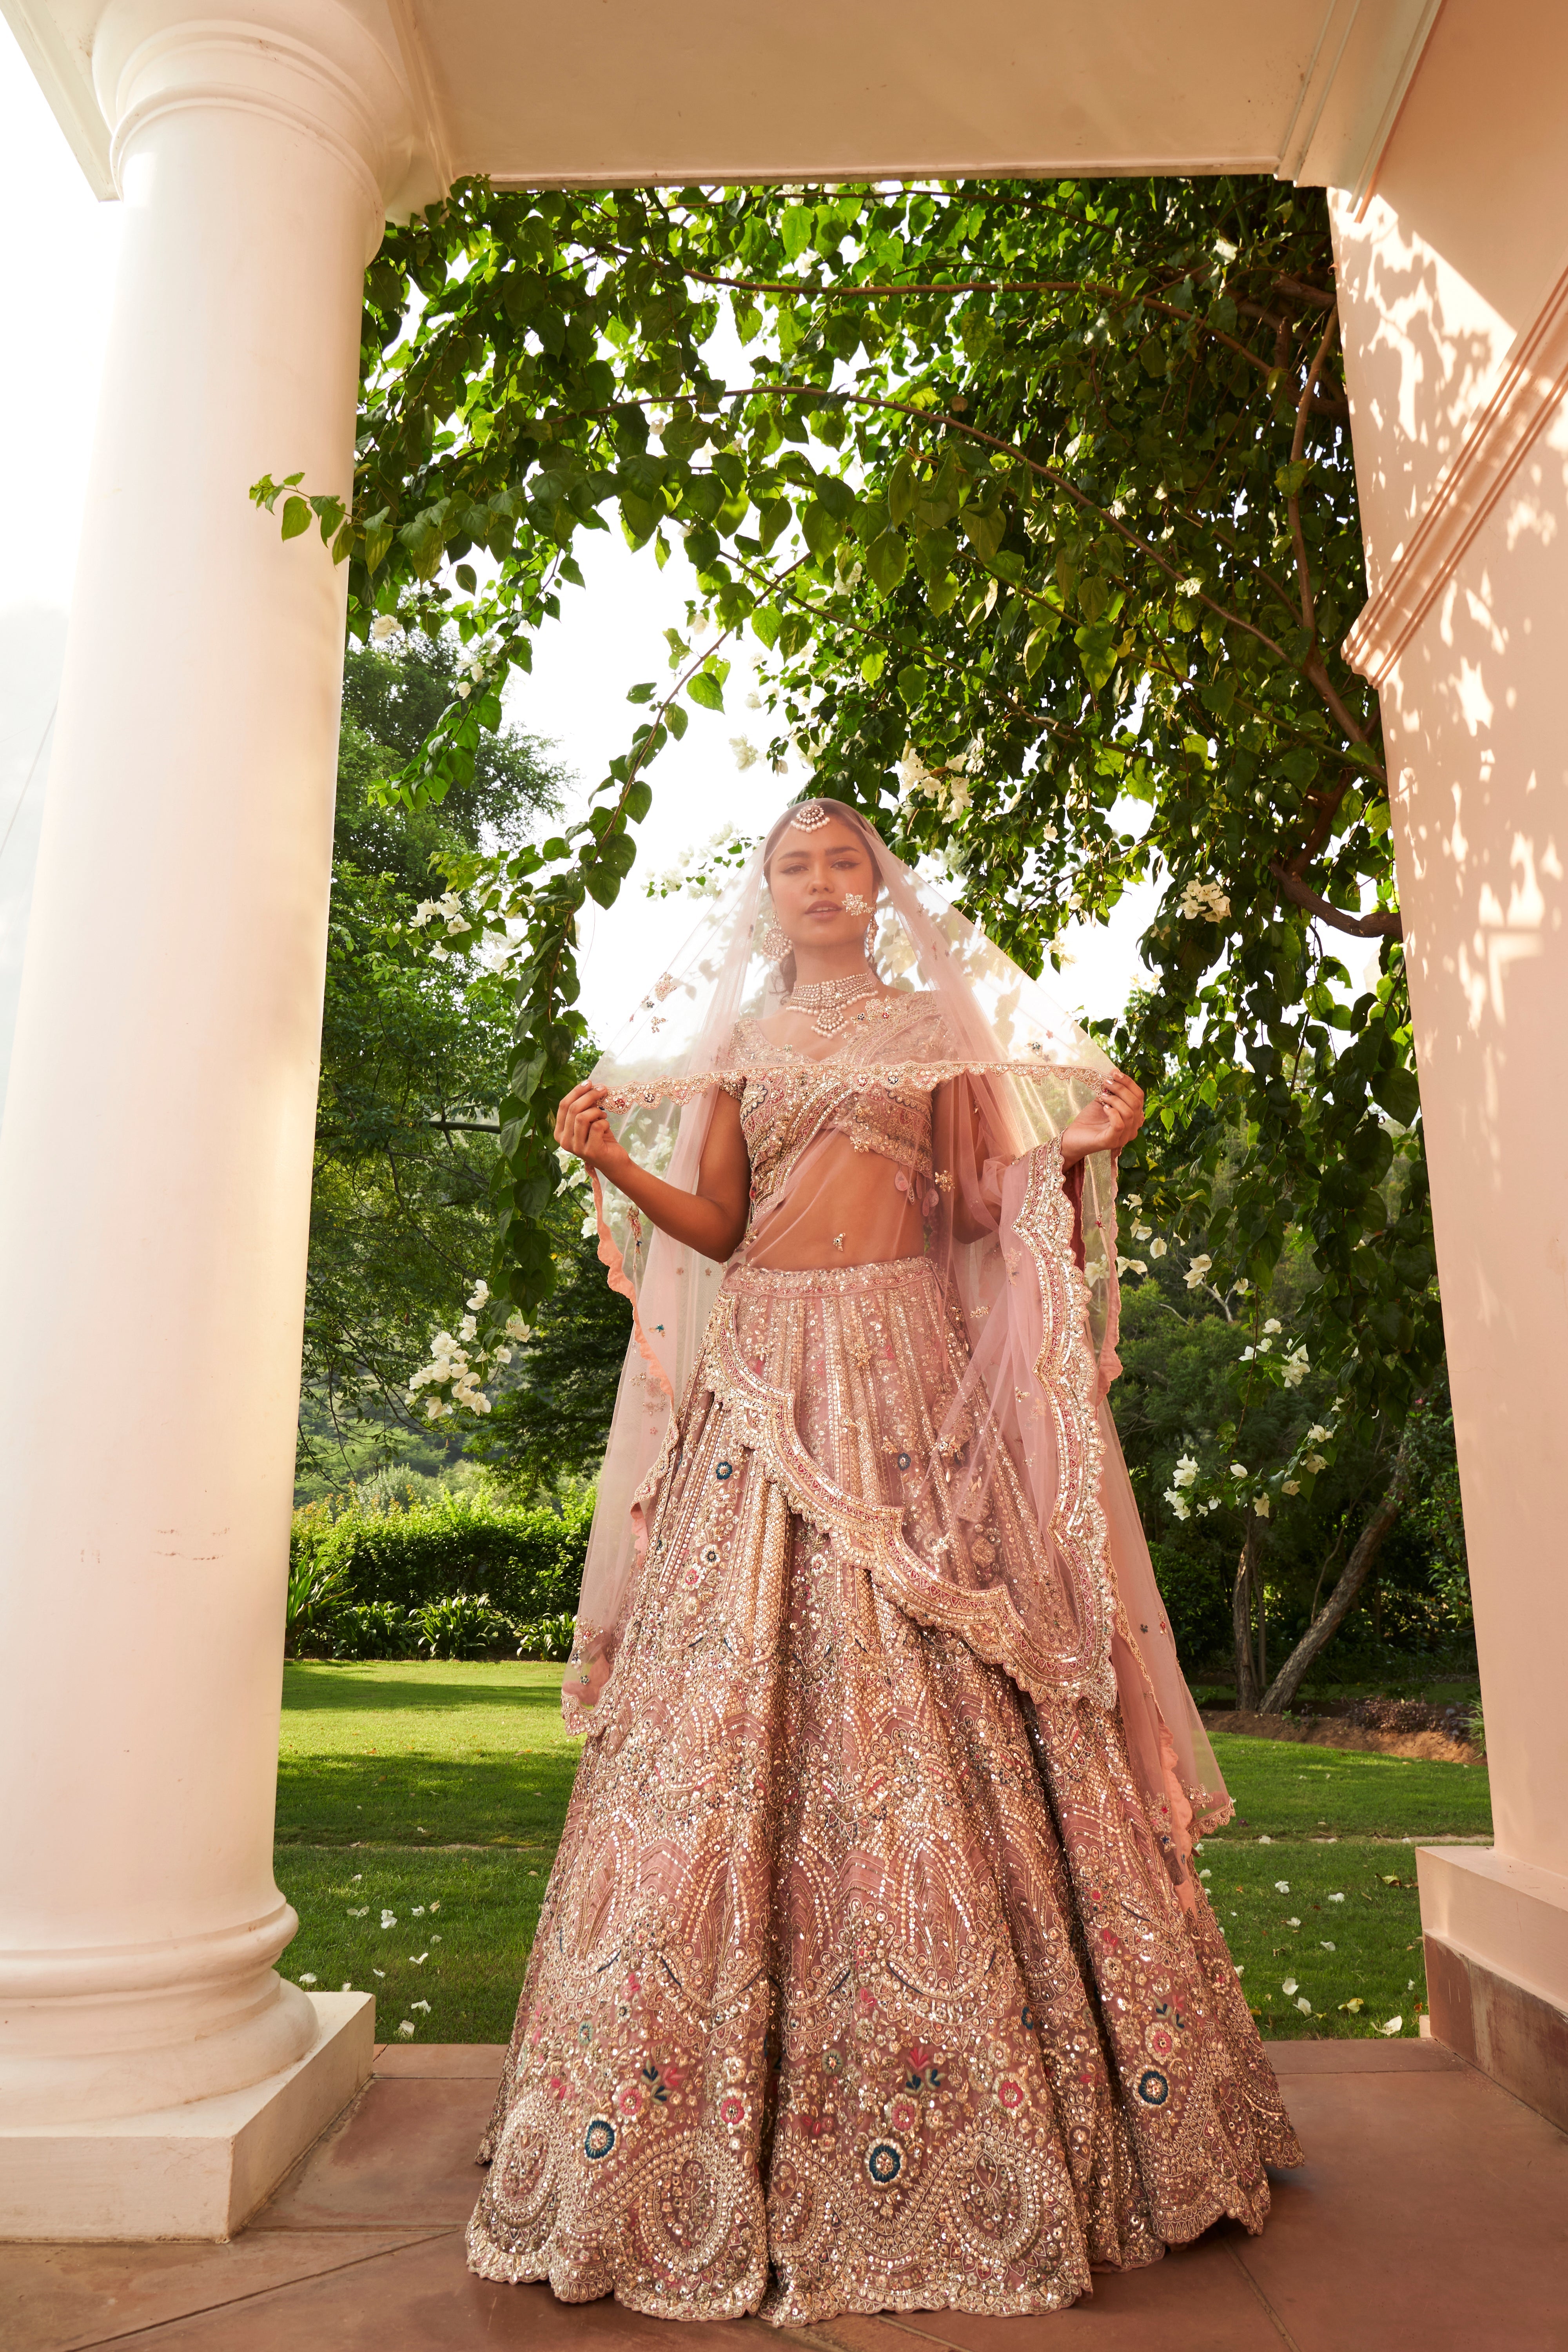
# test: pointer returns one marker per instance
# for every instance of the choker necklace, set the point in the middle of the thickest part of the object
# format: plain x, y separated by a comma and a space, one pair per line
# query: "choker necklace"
830, 1000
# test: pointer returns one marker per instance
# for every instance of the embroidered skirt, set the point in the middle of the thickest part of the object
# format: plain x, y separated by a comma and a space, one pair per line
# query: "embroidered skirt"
860, 1984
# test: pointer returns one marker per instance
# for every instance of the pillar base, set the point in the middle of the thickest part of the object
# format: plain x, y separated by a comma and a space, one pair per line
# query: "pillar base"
1496, 1934
194, 2171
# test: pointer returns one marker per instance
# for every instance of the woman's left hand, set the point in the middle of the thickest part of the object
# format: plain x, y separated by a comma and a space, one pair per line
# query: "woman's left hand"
1108, 1123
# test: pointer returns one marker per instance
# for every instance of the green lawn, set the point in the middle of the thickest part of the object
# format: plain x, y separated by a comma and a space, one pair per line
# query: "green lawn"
432, 1795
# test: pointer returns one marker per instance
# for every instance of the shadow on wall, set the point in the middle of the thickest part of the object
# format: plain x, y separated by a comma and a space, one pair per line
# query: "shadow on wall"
32, 648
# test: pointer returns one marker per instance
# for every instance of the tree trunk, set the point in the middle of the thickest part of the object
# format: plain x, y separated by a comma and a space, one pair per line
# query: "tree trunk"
1342, 1600
1248, 1680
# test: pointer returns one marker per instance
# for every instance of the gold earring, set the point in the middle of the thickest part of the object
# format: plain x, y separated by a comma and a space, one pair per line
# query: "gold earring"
775, 944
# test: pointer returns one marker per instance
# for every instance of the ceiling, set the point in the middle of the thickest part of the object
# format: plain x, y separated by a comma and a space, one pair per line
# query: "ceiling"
598, 92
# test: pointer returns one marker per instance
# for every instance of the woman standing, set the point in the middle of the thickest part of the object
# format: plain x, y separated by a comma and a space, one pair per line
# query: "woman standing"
873, 1972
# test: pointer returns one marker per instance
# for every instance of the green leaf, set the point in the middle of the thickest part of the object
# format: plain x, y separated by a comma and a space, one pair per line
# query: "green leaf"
765, 624
676, 720
795, 231
706, 691
1399, 1094
296, 516
1097, 651
644, 693
873, 663
985, 531
887, 558
1288, 479
902, 490
911, 683
820, 530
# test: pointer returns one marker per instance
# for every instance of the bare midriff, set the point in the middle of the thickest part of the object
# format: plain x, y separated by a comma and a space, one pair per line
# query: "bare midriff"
851, 1211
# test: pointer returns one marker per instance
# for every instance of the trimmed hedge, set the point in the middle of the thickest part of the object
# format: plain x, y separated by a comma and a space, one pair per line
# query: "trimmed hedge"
528, 1562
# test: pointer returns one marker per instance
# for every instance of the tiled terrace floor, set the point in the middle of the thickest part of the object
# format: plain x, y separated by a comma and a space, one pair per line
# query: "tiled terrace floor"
1431, 2217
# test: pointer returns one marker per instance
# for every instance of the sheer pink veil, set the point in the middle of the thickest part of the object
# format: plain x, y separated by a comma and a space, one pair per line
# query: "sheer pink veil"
1037, 1296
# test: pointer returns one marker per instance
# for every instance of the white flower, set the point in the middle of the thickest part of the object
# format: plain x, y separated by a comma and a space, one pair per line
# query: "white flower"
753, 700
389, 1918
1239, 1469
348, 1987
417, 1959
378, 1972
1186, 1470
1248, 1354
1156, 1249
1261, 1505
1240, 1965
1282, 1886
361, 1911
1314, 1463
1178, 1503
1292, 1923
1273, 1324
1196, 1271
417, 1912
1206, 1873
1304, 2005
1267, 1840
1130, 1265
1291, 1487
1141, 1233
407, 2028
1317, 1435
1330, 1947
746, 753
423, 2005
477, 1295
1295, 1368
1394, 2025
1288, 1985
305, 1981
467, 1327
1336, 1898
384, 625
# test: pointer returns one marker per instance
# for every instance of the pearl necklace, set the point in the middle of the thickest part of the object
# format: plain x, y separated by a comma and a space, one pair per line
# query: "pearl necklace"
830, 1000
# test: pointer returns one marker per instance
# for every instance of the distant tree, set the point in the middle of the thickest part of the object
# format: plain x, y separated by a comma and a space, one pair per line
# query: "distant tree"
554, 1416
414, 1058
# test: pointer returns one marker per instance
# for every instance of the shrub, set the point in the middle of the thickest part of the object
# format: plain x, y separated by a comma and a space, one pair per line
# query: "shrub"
317, 1593
459, 1625
372, 1629
528, 1560
547, 1637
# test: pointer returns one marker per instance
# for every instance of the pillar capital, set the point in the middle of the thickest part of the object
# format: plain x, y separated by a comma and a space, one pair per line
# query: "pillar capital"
330, 70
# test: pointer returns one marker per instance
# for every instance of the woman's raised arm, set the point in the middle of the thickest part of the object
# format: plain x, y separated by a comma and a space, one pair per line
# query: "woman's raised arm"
713, 1218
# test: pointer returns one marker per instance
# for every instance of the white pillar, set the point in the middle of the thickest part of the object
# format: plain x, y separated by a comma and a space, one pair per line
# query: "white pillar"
155, 1158
1457, 353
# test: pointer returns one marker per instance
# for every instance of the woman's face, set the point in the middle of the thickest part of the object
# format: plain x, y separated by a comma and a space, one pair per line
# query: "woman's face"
811, 877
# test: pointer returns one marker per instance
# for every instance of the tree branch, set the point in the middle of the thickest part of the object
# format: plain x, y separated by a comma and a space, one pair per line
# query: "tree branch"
1337, 1607
1383, 925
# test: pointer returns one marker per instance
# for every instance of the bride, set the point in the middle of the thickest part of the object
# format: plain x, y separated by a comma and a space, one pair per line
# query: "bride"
874, 1972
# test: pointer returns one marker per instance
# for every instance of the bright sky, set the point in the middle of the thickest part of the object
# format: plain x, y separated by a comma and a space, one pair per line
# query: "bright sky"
60, 282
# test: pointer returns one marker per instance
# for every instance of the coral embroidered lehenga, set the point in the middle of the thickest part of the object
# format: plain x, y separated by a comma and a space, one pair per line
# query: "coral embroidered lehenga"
874, 1972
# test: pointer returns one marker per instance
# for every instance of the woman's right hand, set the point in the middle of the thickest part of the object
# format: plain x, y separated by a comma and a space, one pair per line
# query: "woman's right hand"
582, 1128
